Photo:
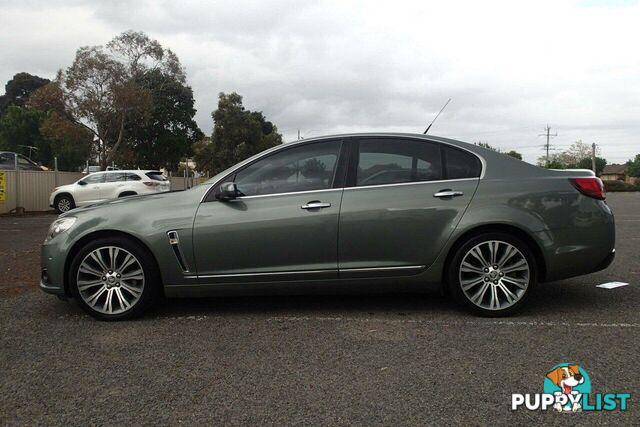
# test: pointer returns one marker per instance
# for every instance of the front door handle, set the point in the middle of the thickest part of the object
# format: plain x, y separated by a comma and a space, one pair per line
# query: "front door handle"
448, 193
316, 205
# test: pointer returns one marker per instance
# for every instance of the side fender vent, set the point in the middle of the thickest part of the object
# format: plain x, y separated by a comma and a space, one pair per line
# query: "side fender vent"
174, 241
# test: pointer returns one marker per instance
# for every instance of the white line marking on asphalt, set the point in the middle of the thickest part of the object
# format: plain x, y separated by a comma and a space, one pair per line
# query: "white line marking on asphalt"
612, 285
453, 322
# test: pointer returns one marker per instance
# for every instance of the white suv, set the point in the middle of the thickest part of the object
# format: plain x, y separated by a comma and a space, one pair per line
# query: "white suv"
100, 186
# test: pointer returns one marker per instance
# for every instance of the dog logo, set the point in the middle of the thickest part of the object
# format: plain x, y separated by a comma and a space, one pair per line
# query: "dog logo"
567, 380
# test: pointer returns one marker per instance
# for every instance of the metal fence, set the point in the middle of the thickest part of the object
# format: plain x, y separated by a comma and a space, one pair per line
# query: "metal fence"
33, 188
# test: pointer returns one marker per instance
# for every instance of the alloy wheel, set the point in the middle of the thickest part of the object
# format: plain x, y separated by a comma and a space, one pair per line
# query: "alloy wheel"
110, 280
64, 204
494, 275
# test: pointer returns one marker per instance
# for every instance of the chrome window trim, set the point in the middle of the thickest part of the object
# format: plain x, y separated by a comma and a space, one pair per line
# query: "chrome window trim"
396, 184
293, 193
327, 190
286, 145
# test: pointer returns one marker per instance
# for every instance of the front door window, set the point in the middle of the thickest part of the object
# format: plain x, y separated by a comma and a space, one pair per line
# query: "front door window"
306, 168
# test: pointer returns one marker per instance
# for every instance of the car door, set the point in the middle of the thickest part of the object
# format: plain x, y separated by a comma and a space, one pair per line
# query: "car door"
113, 183
403, 199
284, 225
88, 189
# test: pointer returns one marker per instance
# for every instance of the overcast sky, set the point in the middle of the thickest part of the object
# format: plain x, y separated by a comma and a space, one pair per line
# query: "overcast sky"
333, 66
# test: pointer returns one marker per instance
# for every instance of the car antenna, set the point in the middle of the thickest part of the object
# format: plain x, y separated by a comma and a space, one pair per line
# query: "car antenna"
431, 124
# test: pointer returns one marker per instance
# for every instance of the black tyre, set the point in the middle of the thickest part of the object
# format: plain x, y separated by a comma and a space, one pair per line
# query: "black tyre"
492, 274
64, 203
114, 278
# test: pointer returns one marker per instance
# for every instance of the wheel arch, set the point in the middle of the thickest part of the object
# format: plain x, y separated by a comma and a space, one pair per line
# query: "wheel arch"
77, 246
127, 193
523, 235
63, 193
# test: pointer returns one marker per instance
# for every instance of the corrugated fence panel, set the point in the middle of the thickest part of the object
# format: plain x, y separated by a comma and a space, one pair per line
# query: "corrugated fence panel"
35, 187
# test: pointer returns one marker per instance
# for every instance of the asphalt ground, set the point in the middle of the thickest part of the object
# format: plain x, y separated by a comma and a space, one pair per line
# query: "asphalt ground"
320, 360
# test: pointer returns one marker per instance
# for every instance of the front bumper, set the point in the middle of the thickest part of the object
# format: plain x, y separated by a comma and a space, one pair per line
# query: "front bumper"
52, 261
50, 289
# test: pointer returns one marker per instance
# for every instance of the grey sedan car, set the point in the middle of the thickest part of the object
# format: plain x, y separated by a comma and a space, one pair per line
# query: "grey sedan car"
381, 211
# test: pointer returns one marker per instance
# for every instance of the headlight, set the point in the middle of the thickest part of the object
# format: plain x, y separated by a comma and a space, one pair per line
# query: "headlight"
60, 226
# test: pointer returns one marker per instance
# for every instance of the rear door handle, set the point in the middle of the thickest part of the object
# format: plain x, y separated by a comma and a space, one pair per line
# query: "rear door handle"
316, 205
448, 193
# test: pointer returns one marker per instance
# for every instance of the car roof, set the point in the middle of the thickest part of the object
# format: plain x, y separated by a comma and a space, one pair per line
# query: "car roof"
509, 166
128, 171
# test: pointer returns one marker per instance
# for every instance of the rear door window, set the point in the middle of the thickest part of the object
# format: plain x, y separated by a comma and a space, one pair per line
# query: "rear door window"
115, 177
393, 160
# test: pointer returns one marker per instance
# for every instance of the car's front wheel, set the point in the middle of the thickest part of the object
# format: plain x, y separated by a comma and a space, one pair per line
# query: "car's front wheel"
64, 203
492, 274
113, 278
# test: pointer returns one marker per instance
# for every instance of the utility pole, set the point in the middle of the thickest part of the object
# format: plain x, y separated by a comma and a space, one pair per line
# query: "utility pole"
298, 134
548, 134
593, 157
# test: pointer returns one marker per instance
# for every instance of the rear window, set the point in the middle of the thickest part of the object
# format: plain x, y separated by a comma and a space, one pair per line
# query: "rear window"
156, 176
461, 164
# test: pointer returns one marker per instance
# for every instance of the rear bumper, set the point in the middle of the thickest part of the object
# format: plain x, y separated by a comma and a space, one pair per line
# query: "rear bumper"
605, 262
585, 248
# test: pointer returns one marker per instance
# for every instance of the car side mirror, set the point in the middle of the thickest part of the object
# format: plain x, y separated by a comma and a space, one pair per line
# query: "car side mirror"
227, 191
82, 183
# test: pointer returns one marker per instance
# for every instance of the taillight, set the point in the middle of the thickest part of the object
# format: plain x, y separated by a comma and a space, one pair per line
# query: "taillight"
151, 183
591, 187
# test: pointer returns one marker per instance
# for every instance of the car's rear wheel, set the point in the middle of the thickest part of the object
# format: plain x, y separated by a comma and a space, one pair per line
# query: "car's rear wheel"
492, 274
64, 203
114, 278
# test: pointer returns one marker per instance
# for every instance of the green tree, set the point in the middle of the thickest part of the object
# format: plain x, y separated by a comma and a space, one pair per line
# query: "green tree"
170, 132
70, 143
569, 158
19, 89
101, 90
51, 134
237, 134
514, 154
577, 152
487, 146
20, 127
555, 163
586, 164
633, 167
